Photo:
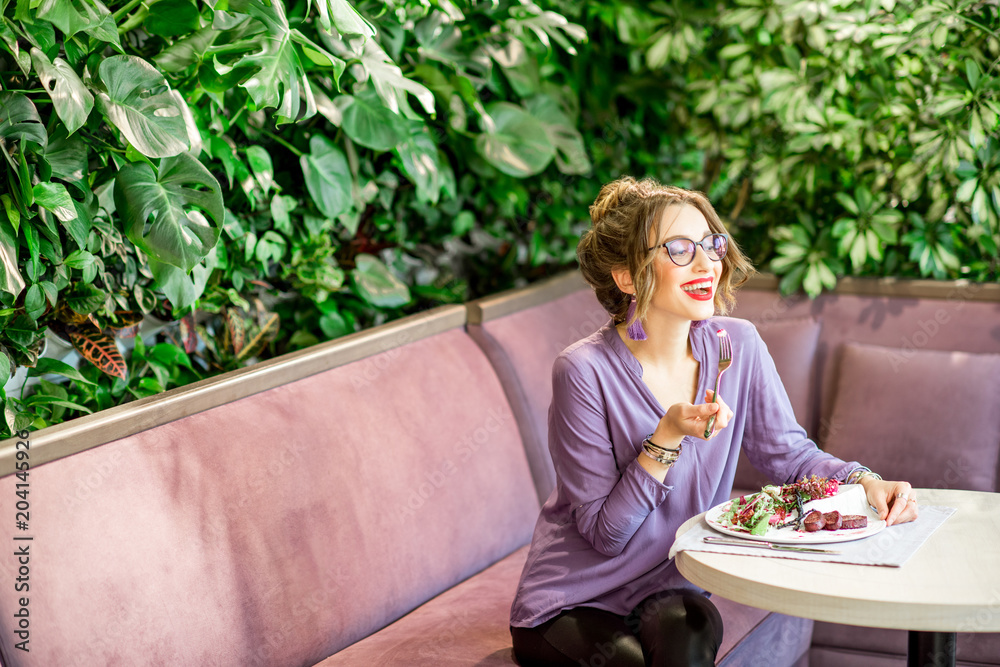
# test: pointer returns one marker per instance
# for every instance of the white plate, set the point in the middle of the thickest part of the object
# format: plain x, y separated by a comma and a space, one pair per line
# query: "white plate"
850, 499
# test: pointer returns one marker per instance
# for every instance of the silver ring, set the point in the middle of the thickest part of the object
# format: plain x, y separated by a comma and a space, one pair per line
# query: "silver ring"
901, 495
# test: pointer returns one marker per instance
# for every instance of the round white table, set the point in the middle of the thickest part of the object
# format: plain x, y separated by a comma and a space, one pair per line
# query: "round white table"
951, 584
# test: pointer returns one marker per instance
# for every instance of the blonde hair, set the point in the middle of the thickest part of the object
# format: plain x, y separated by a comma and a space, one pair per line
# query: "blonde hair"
623, 216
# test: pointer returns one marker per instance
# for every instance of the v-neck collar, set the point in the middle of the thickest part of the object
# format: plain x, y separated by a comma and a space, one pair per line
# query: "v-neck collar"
696, 336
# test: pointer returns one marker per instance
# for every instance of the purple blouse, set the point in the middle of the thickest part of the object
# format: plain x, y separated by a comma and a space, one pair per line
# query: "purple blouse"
603, 536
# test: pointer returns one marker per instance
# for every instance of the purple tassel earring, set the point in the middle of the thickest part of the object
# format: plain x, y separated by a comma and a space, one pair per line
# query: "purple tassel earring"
635, 330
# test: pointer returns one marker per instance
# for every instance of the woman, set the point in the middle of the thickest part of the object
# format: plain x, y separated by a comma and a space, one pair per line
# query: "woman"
627, 438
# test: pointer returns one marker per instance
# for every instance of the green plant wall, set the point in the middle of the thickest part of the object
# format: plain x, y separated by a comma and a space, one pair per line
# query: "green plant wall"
265, 175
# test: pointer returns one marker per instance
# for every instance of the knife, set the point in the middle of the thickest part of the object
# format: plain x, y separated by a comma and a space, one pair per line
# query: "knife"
760, 544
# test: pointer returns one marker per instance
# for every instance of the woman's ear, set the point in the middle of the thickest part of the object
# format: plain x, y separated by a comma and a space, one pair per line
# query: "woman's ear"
623, 278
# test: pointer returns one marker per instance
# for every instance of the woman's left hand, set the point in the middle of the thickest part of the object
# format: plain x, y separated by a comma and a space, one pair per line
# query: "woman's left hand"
896, 502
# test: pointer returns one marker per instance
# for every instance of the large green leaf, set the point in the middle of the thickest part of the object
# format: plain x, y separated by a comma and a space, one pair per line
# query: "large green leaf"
377, 285
19, 120
390, 83
163, 214
418, 156
72, 16
187, 51
571, 155
138, 102
344, 18
23, 59
67, 157
11, 281
368, 122
183, 288
55, 198
280, 79
169, 18
71, 99
328, 176
260, 163
515, 142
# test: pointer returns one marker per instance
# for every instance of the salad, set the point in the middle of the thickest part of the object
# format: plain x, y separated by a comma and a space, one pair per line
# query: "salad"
773, 505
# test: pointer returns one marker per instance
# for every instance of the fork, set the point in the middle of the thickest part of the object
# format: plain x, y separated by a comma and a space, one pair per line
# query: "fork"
725, 361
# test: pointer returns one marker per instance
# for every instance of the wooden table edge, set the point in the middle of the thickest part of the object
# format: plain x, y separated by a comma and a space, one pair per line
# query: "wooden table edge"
864, 613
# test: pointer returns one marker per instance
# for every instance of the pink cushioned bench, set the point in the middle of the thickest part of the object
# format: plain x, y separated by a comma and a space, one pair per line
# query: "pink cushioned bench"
276, 515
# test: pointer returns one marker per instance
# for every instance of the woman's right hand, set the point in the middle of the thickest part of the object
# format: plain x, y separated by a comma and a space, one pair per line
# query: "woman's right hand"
686, 419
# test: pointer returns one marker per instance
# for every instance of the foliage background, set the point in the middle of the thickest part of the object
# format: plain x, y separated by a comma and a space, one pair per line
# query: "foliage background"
262, 176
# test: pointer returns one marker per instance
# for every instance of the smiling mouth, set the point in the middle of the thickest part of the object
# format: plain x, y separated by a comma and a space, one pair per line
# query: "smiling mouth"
701, 289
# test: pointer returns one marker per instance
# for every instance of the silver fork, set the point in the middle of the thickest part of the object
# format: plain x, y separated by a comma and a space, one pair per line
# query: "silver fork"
725, 361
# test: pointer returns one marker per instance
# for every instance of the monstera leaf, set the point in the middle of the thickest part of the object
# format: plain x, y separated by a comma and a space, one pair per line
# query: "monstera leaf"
571, 155
11, 280
23, 62
390, 83
138, 102
169, 18
66, 156
515, 142
278, 65
163, 213
72, 16
344, 18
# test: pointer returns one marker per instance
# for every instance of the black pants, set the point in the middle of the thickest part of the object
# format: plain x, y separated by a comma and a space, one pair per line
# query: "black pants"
670, 629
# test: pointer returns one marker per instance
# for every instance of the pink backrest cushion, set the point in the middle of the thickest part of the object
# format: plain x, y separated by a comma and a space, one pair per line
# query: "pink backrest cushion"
279, 528
524, 345
927, 417
956, 322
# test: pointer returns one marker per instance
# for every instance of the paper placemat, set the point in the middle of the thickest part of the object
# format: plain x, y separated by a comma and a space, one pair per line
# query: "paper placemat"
890, 548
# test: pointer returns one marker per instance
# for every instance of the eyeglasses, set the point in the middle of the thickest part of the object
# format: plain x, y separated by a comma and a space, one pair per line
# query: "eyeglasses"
682, 250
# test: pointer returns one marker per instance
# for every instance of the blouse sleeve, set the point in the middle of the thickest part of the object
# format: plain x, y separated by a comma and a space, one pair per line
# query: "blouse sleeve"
607, 504
774, 441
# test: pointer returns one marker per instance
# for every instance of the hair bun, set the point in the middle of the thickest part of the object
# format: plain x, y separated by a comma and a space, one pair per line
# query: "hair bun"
610, 196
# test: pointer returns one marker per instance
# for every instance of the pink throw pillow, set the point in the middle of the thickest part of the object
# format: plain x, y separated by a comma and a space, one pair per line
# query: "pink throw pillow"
928, 417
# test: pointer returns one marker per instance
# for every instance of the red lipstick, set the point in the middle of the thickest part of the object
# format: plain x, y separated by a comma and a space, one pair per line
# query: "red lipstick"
704, 294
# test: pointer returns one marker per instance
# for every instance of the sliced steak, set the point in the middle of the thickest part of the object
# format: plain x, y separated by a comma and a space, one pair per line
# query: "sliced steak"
833, 520
854, 521
814, 521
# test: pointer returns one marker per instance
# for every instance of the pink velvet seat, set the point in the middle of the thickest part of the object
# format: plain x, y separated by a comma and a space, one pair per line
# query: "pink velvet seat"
467, 625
